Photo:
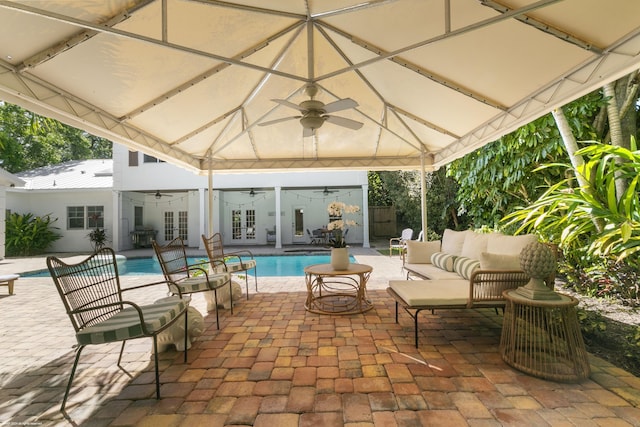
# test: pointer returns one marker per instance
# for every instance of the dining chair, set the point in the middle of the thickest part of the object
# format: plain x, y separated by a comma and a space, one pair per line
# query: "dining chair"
190, 278
233, 262
94, 301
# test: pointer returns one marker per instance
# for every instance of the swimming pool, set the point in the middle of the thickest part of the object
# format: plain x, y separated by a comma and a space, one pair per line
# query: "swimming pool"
268, 266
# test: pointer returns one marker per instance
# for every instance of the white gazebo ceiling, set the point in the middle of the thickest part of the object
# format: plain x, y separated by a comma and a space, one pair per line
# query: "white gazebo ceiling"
190, 81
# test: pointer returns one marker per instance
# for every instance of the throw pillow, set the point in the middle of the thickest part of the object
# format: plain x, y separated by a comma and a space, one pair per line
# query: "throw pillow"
420, 252
452, 241
491, 261
510, 245
465, 266
474, 245
443, 261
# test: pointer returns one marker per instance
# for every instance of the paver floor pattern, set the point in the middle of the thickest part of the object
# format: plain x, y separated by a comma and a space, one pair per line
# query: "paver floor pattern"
272, 363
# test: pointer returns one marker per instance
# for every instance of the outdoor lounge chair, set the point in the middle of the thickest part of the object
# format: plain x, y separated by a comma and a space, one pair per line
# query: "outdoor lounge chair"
400, 243
233, 262
312, 238
93, 299
190, 278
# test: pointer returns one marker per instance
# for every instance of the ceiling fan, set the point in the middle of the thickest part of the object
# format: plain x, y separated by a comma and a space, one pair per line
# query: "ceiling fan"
315, 113
326, 191
159, 195
252, 193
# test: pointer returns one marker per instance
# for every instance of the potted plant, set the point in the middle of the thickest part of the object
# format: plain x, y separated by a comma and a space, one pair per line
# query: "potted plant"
337, 225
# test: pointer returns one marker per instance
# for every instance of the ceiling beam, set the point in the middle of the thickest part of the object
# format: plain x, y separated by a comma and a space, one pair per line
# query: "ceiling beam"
546, 28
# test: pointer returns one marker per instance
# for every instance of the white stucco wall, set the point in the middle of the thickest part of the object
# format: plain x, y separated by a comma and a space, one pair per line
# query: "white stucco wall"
55, 203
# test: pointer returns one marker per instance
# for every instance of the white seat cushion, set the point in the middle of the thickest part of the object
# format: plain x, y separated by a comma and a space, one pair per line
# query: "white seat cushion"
126, 324
430, 271
233, 267
199, 283
432, 293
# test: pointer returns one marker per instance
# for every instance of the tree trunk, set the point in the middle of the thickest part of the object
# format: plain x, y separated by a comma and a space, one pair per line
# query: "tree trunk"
576, 160
615, 128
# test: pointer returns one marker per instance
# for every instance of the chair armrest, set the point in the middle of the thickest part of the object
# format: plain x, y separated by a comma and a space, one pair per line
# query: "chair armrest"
240, 253
168, 283
488, 285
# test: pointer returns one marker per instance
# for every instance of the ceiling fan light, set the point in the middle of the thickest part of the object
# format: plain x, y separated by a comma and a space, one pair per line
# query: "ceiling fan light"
158, 195
312, 122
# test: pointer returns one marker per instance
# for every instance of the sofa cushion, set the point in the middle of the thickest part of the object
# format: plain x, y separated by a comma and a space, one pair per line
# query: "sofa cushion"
452, 241
474, 245
430, 271
465, 266
420, 252
431, 293
443, 260
510, 245
491, 261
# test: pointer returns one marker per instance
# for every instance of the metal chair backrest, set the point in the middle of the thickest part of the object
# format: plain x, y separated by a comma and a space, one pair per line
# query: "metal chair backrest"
407, 234
173, 259
214, 247
90, 283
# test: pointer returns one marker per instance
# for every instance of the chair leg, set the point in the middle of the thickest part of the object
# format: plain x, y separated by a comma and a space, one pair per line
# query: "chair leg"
215, 299
255, 277
120, 356
73, 372
186, 333
155, 356
246, 284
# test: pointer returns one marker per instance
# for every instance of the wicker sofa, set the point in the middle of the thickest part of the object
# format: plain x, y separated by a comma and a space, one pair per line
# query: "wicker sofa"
464, 270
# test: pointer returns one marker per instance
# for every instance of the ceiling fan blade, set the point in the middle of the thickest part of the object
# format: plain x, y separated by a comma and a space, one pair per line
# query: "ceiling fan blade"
339, 105
284, 119
343, 121
288, 104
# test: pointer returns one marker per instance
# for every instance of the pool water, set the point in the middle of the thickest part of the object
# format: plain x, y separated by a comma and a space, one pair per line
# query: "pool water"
268, 266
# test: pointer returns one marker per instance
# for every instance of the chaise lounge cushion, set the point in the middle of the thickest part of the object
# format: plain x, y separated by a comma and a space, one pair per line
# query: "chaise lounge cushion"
432, 293
430, 271
420, 252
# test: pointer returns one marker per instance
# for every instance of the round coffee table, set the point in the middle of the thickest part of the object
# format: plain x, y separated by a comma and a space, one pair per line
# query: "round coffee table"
332, 291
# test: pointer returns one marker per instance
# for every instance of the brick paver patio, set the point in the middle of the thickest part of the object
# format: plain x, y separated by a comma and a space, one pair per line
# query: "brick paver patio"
274, 364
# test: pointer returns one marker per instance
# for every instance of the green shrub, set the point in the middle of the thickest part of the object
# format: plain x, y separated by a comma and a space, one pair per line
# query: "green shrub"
27, 234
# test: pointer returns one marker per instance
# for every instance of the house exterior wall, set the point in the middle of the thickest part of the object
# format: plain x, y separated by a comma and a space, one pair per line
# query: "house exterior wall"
55, 203
184, 191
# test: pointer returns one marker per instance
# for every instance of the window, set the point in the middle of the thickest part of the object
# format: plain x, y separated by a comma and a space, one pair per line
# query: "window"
137, 217
133, 158
150, 159
95, 216
75, 217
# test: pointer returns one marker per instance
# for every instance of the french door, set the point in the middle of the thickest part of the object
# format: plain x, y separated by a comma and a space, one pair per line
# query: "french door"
175, 225
298, 225
243, 225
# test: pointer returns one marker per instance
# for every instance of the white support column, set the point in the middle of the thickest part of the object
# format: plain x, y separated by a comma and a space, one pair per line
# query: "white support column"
423, 198
278, 191
202, 215
365, 216
210, 185
116, 215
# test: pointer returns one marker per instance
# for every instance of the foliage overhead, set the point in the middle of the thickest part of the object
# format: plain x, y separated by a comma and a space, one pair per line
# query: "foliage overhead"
29, 141
499, 177
569, 214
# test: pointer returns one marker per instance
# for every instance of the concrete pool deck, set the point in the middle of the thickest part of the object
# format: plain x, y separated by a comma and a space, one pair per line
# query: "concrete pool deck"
274, 364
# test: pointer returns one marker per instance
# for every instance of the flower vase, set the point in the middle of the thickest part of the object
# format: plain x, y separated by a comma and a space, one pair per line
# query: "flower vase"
340, 258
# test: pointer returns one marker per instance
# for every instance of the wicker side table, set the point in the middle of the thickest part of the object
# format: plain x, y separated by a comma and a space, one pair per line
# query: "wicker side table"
543, 338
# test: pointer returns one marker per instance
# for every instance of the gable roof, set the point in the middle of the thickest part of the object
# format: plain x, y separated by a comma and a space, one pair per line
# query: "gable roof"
192, 82
7, 179
76, 174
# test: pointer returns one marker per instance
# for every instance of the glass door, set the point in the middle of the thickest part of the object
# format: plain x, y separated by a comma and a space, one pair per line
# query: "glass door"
175, 224
299, 231
243, 226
